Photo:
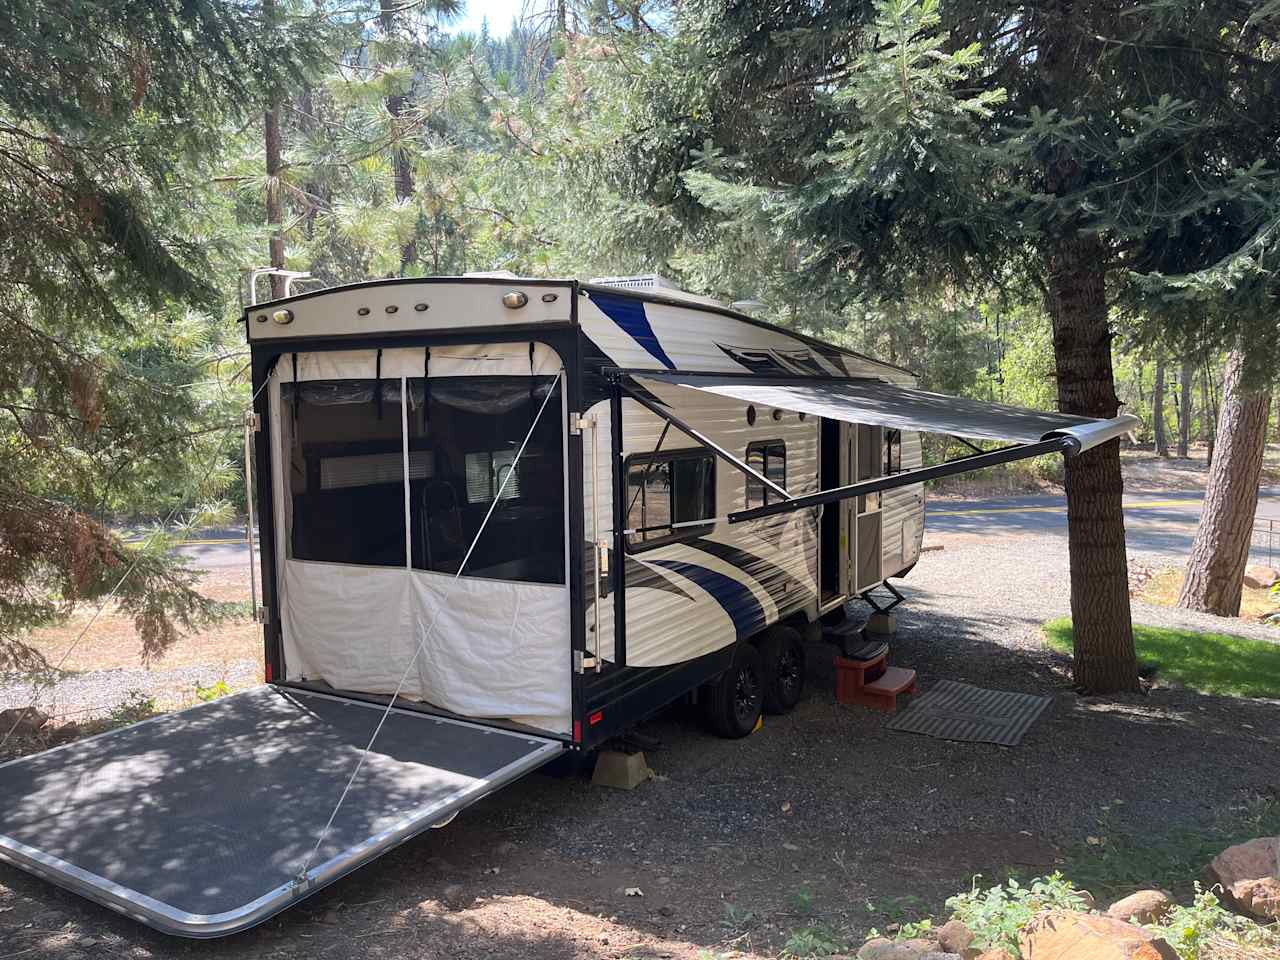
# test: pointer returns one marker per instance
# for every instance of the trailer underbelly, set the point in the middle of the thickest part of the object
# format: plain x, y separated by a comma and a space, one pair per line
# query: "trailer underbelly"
199, 823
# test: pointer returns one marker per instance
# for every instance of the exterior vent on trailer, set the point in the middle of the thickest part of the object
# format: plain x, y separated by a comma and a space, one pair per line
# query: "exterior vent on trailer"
657, 284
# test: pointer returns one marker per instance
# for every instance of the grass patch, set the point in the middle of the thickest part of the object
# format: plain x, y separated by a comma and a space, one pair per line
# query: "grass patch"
1171, 859
1213, 663
1165, 585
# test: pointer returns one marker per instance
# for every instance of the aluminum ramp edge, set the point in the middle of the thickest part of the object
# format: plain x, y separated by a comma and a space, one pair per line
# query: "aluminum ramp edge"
172, 920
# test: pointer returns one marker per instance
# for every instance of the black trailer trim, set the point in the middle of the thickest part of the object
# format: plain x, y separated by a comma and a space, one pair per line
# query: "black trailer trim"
961, 465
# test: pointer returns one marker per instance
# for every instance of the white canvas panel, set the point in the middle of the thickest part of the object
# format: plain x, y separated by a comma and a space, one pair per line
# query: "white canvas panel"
499, 649
349, 626
468, 360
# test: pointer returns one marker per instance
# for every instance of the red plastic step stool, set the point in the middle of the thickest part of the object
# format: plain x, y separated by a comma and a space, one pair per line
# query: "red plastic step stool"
871, 683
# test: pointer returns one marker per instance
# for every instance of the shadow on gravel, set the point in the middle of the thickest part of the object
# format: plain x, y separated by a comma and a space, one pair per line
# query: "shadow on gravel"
823, 817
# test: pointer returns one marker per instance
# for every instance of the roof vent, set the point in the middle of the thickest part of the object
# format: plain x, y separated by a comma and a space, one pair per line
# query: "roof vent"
656, 284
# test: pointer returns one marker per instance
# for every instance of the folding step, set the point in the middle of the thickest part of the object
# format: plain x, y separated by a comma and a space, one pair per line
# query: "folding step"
853, 642
854, 675
882, 693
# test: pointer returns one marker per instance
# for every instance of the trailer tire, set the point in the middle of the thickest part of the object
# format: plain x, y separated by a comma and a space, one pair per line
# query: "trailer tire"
737, 695
782, 650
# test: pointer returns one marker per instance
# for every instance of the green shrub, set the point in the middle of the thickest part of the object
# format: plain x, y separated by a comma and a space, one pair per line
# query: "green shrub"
136, 706
995, 915
213, 691
1196, 930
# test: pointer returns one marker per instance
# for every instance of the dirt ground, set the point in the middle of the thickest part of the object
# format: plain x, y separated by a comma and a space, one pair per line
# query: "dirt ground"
823, 821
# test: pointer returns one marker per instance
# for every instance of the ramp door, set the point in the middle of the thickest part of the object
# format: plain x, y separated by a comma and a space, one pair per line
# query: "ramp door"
198, 823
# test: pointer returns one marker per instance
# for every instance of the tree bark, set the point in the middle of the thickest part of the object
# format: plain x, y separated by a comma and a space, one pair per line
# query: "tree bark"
275, 196
400, 160
1215, 571
1157, 410
1104, 661
1186, 379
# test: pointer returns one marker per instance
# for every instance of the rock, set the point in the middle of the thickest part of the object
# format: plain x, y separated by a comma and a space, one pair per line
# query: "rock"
996, 953
455, 897
954, 936
1250, 877
23, 721
877, 948
1261, 578
1071, 935
917, 947
1145, 906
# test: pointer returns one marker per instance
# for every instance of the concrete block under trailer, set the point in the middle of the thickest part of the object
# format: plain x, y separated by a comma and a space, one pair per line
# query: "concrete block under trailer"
207, 821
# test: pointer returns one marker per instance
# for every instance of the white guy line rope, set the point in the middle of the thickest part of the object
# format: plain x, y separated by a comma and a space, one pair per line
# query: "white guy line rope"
421, 645
40, 688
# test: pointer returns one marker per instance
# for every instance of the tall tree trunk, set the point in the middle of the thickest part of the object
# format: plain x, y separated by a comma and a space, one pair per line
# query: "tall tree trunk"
275, 196
1215, 571
275, 200
1157, 410
1186, 379
399, 155
1105, 661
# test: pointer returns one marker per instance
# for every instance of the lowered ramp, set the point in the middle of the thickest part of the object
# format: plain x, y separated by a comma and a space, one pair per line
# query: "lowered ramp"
198, 823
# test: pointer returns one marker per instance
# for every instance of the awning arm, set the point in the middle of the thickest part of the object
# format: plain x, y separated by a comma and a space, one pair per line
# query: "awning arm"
1060, 444
706, 441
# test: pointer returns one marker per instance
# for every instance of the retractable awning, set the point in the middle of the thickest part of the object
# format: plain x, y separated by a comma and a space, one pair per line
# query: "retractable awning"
905, 408
1033, 432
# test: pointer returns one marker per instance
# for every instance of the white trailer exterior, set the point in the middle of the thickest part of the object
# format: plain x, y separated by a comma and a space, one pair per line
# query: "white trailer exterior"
501, 519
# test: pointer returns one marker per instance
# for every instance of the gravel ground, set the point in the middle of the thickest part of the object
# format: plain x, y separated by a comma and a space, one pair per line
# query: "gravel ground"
98, 692
824, 817
1029, 572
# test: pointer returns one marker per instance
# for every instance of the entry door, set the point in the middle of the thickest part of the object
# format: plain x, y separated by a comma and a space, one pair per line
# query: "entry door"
868, 520
837, 466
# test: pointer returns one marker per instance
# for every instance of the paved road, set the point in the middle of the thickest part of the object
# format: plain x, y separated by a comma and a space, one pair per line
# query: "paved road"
1155, 523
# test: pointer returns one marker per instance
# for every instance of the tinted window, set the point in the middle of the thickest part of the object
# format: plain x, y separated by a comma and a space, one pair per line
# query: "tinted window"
768, 457
344, 471
666, 491
471, 429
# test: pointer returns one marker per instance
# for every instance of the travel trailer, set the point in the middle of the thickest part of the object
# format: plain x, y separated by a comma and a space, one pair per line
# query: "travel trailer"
501, 519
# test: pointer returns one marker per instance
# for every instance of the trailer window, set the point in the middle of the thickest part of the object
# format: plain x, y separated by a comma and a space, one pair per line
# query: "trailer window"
892, 452
345, 471
667, 494
768, 457
472, 428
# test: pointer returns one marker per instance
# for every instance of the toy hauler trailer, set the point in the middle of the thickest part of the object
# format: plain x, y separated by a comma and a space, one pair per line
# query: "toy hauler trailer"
501, 519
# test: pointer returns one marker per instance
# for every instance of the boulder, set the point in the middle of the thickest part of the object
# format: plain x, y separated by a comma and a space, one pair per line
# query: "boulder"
996, 953
1250, 877
1145, 906
1071, 935
23, 721
1260, 577
955, 937
877, 948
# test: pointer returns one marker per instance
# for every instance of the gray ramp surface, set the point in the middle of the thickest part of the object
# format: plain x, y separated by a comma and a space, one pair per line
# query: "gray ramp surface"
199, 822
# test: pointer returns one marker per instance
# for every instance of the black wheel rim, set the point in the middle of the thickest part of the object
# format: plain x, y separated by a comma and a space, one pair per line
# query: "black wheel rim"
746, 695
789, 674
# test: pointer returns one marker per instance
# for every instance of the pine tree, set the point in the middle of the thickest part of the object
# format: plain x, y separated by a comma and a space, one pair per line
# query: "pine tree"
1107, 152
111, 321
1220, 553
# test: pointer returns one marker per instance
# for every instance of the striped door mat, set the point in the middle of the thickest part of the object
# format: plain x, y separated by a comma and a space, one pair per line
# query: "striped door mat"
958, 711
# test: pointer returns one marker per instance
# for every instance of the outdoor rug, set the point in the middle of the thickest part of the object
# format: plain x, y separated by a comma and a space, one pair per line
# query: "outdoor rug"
958, 711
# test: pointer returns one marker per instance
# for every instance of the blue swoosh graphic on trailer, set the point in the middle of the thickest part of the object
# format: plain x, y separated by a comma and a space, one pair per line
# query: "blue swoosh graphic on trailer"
737, 599
629, 315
